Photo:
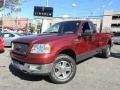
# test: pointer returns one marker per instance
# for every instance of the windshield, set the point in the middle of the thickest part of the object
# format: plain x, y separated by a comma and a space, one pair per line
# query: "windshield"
64, 27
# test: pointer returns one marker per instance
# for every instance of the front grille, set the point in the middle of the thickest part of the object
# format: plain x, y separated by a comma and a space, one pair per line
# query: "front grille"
16, 61
20, 48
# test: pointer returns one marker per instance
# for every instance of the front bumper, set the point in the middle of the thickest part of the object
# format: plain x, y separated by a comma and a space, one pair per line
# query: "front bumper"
36, 69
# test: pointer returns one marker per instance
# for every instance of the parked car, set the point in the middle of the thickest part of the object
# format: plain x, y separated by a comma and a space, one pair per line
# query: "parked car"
116, 38
59, 48
1, 44
8, 37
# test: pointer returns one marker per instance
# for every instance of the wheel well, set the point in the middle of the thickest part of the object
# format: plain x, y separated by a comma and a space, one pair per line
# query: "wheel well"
69, 52
110, 43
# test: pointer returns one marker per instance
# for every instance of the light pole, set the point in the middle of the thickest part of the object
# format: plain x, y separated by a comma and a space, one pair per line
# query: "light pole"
44, 21
3, 13
74, 5
46, 3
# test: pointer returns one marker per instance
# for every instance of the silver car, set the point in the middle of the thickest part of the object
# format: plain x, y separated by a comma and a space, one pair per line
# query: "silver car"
116, 38
8, 37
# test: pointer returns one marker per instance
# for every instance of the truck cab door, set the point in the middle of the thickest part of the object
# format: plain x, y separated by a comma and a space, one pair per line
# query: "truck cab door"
93, 38
83, 44
89, 40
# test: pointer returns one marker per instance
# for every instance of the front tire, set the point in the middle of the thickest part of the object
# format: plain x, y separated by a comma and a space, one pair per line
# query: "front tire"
63, 70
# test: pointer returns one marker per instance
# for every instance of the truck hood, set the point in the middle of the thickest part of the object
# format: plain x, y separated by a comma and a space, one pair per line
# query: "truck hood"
42, 38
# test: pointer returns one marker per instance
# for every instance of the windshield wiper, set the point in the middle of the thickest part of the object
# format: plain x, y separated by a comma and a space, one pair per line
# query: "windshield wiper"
49, 32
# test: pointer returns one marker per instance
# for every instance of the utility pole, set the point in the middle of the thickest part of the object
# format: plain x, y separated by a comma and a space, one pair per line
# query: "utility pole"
44, 19
46, 3
74, 5
3, 14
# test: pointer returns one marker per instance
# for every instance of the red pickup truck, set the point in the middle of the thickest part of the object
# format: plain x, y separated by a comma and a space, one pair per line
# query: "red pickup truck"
1, 45
56, 51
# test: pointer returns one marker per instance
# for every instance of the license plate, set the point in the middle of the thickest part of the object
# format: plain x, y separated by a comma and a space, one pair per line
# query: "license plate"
32, 67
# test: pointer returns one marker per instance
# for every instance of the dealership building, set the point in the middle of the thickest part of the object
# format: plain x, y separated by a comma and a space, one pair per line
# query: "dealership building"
111, 20
108, 22
13, 23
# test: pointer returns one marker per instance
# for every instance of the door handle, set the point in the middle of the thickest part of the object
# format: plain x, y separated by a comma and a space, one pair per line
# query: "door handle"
75, 41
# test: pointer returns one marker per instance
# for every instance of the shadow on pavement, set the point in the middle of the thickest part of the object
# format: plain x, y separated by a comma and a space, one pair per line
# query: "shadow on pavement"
28, 77
84, 60
115, 55
2, 51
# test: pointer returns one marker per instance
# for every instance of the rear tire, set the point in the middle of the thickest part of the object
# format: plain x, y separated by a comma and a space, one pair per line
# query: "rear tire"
106, 52
63, 70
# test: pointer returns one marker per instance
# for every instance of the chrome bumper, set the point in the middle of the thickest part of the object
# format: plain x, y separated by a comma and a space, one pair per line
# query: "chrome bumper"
33, 68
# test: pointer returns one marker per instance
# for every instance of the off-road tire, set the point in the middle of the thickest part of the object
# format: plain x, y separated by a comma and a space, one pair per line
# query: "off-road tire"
61, 70
106, 52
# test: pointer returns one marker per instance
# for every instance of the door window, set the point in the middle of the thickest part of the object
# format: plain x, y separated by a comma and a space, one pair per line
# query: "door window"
88, 26
85, 27
92, 27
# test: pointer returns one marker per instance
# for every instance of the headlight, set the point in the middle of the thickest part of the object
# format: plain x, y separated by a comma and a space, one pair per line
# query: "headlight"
41, 48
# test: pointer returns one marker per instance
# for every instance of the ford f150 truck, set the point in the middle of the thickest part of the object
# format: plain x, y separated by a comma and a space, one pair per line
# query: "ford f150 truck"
56, 51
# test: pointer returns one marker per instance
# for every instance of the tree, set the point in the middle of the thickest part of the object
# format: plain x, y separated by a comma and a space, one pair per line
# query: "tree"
12, 5
9, 3
32, 29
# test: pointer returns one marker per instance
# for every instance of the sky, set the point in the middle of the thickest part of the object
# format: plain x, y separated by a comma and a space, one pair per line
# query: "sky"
71, 8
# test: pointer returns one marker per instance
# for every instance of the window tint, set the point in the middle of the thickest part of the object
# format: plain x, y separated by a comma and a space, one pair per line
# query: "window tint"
64, 27
69, 27
92, 27
86, 26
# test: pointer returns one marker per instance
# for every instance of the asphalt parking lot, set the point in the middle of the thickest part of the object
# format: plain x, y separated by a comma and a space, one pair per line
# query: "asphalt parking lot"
93, 74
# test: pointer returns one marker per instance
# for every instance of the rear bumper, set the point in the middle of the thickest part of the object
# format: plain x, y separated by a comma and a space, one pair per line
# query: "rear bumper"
36, 69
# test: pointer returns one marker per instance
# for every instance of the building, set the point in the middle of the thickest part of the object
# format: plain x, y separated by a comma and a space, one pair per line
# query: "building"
108, 22
111, 21
14, 23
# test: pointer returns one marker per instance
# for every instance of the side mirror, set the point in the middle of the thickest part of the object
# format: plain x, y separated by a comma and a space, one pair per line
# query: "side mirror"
87, 32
